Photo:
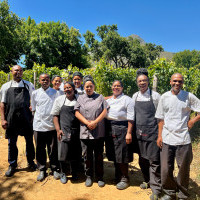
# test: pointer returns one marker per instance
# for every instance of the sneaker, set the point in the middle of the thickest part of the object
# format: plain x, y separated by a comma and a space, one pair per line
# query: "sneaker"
167, 197
10, 172
88, 182
56, 175
144, 185
63, 178
122, 185
101, 183
41, 176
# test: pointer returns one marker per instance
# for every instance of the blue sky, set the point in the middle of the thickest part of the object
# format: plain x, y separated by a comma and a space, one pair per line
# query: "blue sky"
174, 24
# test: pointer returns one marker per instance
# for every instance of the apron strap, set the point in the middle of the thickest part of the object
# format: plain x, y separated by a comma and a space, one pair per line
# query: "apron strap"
64, 101
25, 85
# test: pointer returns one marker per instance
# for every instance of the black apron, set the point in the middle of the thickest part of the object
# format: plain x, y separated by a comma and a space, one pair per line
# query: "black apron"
146, 129
69, 146
115, 142
17, 112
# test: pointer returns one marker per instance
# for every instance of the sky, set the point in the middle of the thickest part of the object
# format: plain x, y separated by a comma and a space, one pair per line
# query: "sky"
174, 24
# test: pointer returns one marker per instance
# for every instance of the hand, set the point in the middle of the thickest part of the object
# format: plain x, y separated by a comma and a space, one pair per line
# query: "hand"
60, 134
190, 124
92, 125
128, 138
30, 108
4, 124
159, 142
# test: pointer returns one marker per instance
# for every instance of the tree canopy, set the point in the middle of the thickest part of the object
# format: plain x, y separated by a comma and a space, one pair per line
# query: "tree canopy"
118, 50
11, 43
55, 44
187, 58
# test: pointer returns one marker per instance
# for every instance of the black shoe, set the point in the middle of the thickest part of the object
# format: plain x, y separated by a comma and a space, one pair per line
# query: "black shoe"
11, 171
41, 176
74, 177
32, 167
88, 182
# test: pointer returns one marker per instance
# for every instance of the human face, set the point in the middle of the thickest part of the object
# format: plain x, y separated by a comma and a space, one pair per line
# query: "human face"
69, 91
77, 80
176, 83
44, 80
56, 83
143, 83
89, 88
17, 73
117, 89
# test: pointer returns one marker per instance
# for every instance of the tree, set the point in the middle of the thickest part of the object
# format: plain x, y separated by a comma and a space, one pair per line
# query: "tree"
53, 44
11, 43
152, 52
120, 51
187, 58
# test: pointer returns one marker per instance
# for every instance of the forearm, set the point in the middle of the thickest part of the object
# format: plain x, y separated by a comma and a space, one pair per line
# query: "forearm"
160, 127
2, 111
196, 118
56, 123
130, 127
101, 116
81, 118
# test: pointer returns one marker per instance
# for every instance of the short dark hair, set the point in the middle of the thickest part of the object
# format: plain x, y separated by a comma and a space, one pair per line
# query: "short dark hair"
88, 78
42, 74
119, 82
55, 76
77, 74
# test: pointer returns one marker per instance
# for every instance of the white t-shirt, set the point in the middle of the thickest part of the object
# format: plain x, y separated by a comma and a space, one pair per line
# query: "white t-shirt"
13, 83
59, 103
175, 111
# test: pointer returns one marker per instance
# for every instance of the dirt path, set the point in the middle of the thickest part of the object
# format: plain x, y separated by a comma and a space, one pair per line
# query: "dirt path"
23, 184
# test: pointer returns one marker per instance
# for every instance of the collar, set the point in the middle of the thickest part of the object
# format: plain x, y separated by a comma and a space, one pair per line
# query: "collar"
176, 94
46, 89
147, 93
91, 95
16, 81
118, 97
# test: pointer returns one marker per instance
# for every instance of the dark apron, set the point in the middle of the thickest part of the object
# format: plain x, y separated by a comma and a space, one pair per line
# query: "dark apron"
146, 129
115, 142
17, 112
69, 146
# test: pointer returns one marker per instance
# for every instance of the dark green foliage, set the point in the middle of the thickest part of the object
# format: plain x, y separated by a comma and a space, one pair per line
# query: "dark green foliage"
187, 58
11, 43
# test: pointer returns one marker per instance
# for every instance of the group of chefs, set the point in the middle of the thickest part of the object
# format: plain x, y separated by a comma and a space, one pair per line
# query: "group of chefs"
71, 122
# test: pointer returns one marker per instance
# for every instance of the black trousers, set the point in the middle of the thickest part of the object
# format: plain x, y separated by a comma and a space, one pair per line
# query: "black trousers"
42, 140
183, 155
13, 150
93, 148
151, 173
70, 151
